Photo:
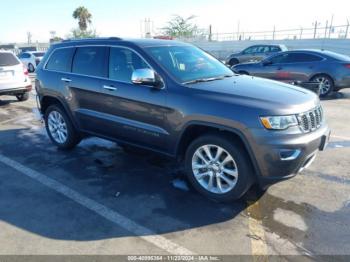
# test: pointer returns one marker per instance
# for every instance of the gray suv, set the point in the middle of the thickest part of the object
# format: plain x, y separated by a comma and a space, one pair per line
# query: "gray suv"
229, 131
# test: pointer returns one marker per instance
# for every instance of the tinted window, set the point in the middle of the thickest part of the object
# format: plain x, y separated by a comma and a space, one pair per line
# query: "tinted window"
61, 60
302, 57
337, 56
91, 61
8, 59
122, 63
275, 49
251, 50
279, 59
24, 55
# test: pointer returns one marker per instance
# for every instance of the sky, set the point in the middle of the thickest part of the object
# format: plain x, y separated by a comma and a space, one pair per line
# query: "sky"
123, 17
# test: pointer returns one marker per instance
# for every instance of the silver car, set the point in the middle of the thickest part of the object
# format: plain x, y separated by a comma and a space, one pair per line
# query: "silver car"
254, 53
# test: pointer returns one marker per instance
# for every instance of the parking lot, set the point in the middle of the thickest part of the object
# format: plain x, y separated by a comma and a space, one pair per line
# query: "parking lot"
98, 199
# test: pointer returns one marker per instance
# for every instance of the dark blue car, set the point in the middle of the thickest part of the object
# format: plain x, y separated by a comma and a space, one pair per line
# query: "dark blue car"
330, 69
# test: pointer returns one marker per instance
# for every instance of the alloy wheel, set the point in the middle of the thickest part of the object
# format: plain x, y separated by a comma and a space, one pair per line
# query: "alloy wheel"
57, 127
325, 84
214, 169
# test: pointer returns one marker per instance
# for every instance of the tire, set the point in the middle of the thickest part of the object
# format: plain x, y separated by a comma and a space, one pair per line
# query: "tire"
63, 140
240, 169
23, 97
233, 61
328, 84
31, 68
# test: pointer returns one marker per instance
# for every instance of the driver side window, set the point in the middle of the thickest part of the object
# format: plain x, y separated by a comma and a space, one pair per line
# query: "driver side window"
279, 59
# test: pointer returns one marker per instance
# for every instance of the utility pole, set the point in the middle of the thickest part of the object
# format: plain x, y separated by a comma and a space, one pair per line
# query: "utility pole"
347, 29
325, 31
210, 33
273, 33
301, 33
29, 38
330, 27
315, 29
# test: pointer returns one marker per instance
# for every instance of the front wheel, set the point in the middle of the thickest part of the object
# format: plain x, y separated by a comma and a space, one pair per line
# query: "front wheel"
218, 168
60, 128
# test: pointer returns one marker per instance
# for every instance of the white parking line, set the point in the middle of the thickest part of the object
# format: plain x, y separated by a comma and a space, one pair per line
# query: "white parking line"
109, 214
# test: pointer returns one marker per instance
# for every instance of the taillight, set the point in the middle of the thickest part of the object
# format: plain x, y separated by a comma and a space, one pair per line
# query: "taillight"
347, 66
25, 70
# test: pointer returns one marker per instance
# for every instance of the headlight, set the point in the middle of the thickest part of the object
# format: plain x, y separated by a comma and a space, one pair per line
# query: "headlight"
279, 122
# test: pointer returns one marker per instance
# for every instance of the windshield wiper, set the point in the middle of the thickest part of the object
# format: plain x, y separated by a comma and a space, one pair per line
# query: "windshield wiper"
200, 80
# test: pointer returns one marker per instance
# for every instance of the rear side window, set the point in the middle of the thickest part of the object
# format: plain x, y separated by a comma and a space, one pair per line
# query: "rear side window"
91, 61
8, 59
275, 49
61, 60
24, 55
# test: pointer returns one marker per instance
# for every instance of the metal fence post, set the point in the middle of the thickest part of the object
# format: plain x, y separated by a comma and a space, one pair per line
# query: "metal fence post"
347, 30
273, 33
301, 33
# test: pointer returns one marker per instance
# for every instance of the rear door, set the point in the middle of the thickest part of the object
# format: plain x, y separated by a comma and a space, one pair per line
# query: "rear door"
133, 113
89, 67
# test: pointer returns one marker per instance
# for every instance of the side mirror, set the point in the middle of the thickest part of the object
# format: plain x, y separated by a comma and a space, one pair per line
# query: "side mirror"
145, 76
266, 62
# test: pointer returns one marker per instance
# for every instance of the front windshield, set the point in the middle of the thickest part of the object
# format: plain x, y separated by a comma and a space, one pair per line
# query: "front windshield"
189, 63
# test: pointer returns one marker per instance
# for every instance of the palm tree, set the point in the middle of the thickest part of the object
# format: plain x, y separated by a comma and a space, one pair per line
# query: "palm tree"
84, 17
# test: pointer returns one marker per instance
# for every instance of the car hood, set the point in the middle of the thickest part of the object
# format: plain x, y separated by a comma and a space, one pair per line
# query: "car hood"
260, 93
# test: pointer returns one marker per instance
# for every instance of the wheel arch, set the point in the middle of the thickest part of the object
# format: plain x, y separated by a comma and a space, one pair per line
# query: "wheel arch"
48, 100
196, 129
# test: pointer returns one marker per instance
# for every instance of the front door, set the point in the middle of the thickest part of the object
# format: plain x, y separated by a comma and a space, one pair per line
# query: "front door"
134, 113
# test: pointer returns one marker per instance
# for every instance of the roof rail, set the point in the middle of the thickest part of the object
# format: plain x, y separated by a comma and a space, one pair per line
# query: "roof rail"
93, 39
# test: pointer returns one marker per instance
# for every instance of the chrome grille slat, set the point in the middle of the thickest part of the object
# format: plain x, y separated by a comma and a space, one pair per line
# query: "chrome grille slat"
311, 120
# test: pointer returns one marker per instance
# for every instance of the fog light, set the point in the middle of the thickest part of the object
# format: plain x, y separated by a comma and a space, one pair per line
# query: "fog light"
289, 154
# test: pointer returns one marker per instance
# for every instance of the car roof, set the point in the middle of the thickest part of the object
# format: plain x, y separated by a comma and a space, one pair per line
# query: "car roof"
143, 43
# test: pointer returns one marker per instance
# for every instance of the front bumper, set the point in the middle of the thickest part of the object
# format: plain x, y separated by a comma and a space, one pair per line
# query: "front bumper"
282, 157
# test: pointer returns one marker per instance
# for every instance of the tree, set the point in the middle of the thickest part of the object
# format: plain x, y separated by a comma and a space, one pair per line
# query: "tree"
181, 27
84, 17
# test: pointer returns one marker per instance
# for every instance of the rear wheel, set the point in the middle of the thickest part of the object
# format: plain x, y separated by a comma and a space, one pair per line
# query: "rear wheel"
326, 84
218, 168
60, 128
23, 97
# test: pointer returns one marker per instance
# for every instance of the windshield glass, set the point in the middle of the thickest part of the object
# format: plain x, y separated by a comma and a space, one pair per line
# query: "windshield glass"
188, 63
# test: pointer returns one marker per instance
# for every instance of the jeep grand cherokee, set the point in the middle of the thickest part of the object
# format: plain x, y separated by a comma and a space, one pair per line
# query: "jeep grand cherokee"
230, 131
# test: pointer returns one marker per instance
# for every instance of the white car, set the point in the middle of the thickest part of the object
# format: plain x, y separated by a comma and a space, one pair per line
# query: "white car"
31, 59
14, 79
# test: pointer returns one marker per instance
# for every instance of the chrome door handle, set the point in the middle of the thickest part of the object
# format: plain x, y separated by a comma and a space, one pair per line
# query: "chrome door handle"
109, 88
67, 80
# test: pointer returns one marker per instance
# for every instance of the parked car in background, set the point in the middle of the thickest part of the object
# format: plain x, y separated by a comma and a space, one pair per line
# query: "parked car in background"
31, 59
330, 69
229, 131
14, 78
254, 53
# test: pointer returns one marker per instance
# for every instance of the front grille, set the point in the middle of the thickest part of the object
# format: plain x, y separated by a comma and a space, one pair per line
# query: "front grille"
311, 120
